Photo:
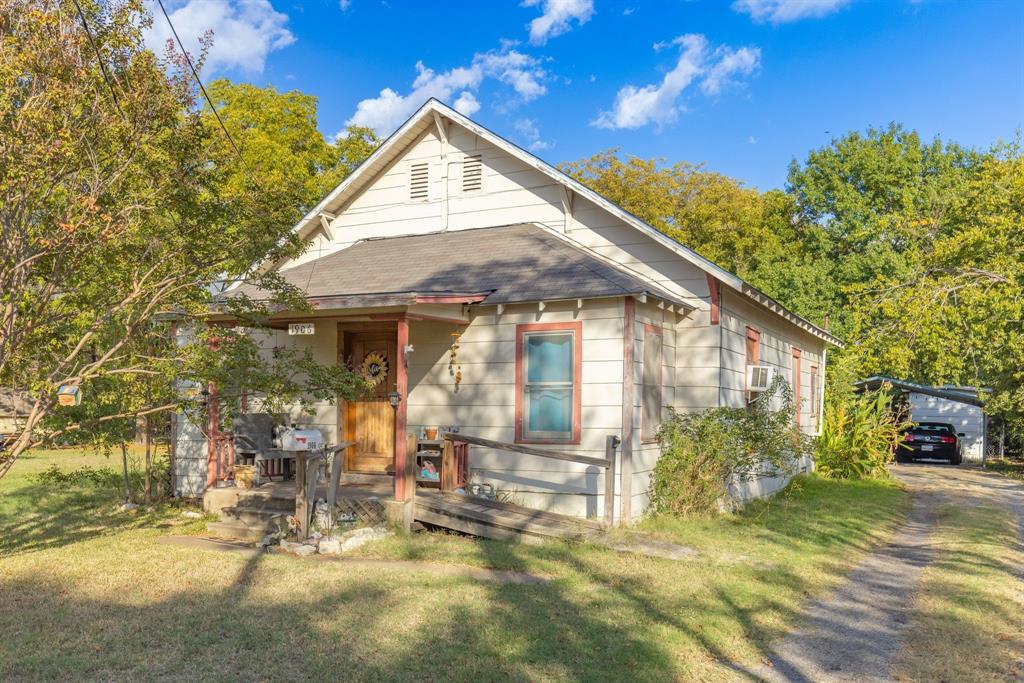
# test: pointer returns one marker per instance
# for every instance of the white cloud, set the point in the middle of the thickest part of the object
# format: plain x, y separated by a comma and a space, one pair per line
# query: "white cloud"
244, 31
636, 107
751, 140
345, 4
530, 134
741, 62
557, 16
519, 71
659, 103
782, 11
467, 104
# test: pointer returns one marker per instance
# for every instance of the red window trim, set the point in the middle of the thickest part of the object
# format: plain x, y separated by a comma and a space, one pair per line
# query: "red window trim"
797, 354
715, 296
577, 380
753, 335
652, 329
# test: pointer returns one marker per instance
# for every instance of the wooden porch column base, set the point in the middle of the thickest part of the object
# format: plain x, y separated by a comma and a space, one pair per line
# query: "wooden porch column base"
400, 513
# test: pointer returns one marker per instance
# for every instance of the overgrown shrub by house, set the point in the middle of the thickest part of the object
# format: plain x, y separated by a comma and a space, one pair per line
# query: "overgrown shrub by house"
701, 453
860, 434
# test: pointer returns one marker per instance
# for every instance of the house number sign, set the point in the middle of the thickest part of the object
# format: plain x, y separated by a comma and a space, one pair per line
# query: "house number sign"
301, 328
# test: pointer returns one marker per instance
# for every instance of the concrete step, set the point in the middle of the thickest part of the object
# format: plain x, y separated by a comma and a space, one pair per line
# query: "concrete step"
237, 531
216, 499
254, 517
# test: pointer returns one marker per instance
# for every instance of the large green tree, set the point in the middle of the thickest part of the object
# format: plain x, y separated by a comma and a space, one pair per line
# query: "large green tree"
734, 226
279, 155
910, 249
956, 312
122, 200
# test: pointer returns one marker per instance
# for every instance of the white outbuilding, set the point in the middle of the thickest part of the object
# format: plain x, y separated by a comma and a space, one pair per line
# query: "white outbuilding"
960, 406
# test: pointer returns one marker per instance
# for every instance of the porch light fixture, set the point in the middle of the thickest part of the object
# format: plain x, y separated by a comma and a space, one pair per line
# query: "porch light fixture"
394, 398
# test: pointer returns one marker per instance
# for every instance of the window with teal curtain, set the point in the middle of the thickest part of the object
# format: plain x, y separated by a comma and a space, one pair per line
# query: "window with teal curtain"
548, 385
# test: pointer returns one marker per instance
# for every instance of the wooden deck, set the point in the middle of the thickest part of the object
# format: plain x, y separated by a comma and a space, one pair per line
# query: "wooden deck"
252, 513
501, 521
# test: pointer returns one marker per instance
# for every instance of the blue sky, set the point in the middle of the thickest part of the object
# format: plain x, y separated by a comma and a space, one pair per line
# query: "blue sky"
743, 86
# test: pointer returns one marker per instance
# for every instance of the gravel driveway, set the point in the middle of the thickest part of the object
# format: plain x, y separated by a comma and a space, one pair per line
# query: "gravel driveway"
854, 633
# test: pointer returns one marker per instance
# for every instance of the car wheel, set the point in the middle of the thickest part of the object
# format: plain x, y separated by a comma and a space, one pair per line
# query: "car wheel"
955, 460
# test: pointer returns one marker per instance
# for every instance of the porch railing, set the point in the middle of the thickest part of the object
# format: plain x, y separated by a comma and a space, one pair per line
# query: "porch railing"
222, 447
606, 463
307, 473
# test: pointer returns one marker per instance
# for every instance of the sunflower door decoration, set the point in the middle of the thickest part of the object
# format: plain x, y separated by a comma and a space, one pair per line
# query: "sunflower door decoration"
374, 368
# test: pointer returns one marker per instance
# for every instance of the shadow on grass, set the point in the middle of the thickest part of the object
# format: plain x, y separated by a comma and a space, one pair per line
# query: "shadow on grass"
35, 515
603, 617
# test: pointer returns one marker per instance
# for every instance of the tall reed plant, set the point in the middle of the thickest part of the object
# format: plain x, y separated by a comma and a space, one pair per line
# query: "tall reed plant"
860, 435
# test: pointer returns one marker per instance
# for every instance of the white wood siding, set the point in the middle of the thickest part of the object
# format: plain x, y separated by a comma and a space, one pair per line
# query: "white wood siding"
512, 192
484, 403
646, 454
778, 338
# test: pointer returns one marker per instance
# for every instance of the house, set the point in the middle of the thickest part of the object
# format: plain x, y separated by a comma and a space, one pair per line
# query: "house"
483, 289
959, 406
14, 409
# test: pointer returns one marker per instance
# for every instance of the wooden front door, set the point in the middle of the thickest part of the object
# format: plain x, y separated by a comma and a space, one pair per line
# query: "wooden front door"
370, 421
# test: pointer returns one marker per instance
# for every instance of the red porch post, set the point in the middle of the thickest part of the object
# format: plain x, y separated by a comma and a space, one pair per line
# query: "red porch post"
402, 487
213, 430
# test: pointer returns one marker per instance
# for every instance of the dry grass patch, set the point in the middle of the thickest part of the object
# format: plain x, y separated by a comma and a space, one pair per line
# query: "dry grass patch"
1008, 467
89, 594
967, 622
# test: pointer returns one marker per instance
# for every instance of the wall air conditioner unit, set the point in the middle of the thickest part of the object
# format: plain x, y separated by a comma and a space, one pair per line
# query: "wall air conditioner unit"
759, 377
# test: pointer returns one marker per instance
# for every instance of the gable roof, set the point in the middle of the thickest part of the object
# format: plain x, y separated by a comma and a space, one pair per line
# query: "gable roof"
430, 115
501, 265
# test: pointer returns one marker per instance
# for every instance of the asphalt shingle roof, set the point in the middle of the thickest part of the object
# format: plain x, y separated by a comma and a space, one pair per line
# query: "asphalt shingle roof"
511, 264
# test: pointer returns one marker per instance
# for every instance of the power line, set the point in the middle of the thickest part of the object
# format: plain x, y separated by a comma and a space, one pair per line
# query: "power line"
99, 58
195, 73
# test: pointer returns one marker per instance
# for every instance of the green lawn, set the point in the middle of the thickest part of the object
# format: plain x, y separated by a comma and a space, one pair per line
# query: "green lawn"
87, 592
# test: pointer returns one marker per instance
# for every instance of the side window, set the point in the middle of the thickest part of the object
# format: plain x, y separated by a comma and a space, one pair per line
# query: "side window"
651, 396
548, 382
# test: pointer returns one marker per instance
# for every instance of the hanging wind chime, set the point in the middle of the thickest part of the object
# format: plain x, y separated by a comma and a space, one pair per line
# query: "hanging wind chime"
454, 367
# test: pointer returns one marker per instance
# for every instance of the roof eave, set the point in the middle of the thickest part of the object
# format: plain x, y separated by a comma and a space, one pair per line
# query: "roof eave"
774, 306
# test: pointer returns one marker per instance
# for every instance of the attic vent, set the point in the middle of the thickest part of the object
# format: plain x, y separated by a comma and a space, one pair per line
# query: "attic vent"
419, 180
472, 174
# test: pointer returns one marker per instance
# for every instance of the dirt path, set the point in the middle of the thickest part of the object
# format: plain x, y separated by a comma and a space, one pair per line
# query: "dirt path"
854, 634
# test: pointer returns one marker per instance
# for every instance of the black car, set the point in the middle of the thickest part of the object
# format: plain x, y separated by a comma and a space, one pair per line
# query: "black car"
930, 440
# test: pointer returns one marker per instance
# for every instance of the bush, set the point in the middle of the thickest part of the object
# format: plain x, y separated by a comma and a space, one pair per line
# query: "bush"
859, 436
108, 479
701, 453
